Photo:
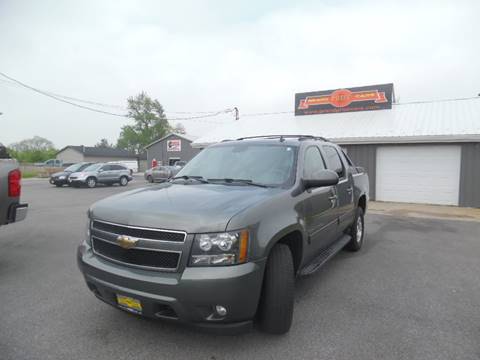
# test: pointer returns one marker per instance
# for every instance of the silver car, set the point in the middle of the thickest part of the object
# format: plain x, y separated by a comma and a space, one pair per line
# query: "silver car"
161, 173
101, 173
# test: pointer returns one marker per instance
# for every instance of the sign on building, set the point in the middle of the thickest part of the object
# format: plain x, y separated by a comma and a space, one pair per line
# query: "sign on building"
373, 97
174, 145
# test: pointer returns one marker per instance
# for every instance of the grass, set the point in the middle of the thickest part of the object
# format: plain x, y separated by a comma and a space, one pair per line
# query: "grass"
29, 174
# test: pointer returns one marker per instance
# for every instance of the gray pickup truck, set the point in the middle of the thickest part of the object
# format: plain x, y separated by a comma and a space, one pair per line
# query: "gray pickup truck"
10, 189
220, 244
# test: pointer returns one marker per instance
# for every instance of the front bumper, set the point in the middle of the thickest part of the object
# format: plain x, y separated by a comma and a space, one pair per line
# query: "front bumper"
57, 181
77, 181
189, 296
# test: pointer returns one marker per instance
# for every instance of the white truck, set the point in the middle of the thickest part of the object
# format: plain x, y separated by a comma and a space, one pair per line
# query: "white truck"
11, 210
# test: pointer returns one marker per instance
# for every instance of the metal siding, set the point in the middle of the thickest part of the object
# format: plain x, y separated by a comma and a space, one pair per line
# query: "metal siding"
365, 156
470, 175
159, 151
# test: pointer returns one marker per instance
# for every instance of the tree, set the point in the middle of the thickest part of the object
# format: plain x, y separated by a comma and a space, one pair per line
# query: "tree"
103, 143
150, 123
32, 150
179, 129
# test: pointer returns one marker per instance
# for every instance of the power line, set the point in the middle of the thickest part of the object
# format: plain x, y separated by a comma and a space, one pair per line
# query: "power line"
60, 99
66, 99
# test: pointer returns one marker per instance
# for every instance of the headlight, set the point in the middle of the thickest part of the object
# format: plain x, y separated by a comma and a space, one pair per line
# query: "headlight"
218, 249
61, 177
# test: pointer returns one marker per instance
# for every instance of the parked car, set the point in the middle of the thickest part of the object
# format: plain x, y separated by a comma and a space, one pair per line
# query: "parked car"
61, 178
181, 163
101, 173
11, 210
50, 163
129, 164
161, 173
220, 244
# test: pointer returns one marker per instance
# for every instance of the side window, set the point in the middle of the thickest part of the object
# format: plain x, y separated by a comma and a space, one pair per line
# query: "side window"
313, 162
106, 168
333, 160
349, 161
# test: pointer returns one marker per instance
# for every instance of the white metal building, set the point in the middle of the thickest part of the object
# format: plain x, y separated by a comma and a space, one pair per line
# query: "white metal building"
419, 152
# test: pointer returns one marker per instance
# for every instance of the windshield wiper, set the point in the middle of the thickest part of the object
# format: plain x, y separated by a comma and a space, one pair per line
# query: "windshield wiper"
241, 181
191, 177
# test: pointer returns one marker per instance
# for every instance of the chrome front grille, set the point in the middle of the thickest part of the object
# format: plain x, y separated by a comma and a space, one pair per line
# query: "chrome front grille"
156, 249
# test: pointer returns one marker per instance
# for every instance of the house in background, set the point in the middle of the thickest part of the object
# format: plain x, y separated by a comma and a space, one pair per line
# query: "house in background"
75, 154
170, 149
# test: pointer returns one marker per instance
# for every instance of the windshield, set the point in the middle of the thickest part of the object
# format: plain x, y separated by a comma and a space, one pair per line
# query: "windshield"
93, 167
75, 167
264, 164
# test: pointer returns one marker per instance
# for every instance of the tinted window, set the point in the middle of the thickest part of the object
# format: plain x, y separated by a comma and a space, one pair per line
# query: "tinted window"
93, 167
107, 167
333, 160
313, 163
118, 167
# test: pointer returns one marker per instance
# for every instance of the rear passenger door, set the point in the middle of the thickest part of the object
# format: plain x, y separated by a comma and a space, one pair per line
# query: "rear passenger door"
319, 204
105, 174
345, 203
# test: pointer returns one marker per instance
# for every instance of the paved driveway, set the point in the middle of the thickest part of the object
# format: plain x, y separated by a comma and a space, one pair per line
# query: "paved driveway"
413, 292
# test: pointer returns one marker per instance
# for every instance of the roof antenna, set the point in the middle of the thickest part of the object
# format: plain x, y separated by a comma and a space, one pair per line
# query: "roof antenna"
281, 138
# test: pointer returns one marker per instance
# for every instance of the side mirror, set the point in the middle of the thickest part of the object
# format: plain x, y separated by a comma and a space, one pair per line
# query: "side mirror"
321, 178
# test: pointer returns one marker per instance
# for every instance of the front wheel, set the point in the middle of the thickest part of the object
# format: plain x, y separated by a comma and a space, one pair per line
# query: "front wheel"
276, 303
91, 182
357, 232
150, 179
123, 181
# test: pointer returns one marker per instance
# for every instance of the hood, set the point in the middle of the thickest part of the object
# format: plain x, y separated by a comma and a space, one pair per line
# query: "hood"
191, 207
61, 173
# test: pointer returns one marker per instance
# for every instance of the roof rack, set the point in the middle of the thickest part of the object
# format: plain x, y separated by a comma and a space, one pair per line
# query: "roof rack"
281, 137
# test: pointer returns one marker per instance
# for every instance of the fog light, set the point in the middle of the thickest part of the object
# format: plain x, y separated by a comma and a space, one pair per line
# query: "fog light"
222, 311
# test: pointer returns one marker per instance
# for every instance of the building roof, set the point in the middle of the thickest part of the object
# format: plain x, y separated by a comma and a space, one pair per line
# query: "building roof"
185, 137
435, 121
100, 151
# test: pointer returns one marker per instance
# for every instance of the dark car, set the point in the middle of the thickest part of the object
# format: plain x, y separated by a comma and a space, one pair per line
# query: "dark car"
61, 178
220, 244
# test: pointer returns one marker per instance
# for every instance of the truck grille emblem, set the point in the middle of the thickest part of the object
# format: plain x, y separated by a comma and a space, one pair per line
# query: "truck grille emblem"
126, 242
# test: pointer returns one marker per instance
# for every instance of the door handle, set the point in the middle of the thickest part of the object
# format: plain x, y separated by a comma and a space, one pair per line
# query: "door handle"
350, 189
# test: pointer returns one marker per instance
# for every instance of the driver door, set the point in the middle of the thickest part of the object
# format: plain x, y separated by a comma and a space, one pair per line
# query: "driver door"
319, 205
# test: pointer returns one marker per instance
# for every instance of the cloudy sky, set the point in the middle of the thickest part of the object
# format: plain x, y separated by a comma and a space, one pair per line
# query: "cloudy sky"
212, 55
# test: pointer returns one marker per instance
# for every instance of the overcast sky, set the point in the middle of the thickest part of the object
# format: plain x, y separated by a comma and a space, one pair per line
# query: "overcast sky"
213, 55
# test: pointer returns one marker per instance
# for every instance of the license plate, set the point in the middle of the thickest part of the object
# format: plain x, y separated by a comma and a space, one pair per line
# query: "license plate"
130, 304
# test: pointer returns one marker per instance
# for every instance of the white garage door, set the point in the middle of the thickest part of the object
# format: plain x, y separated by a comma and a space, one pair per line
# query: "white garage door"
418, 174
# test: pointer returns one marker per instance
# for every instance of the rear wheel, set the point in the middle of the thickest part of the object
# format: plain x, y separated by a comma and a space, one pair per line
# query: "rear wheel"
357, 232
276, 304
123, 181
91, 182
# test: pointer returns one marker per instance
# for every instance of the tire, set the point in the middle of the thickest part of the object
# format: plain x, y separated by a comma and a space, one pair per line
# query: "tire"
91, 182
357, 232
150, 179
123, 181
276, 303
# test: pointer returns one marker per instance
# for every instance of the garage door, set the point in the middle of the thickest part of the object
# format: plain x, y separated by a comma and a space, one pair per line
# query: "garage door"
418, 174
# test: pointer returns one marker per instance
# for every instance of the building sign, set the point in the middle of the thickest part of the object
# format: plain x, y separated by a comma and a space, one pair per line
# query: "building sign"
374, 97
174, 145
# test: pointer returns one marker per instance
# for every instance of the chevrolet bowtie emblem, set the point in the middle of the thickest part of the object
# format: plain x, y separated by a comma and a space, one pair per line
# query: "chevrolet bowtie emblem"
126, 242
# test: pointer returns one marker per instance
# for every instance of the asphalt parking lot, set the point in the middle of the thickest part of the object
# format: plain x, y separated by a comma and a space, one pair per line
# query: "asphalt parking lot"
413, 292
